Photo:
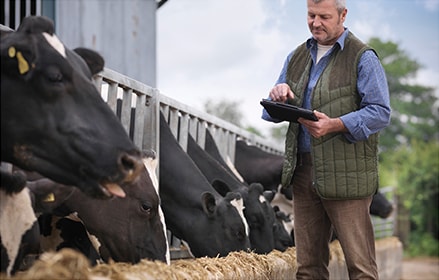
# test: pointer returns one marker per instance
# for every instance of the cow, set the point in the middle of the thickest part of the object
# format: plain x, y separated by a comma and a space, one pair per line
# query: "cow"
211, 148
256, 165
127, 229
210, 224
380, 206
19, 229
283, 229
53, 119
257, 210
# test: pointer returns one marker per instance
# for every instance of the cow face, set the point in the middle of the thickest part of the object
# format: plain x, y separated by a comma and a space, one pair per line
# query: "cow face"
258, 212
53, 119
224, 228
128, 229
261, 219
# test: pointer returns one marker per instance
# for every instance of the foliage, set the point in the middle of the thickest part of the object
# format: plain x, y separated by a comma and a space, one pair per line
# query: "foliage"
410, 145
423, 244
414, 169
226, 110
414, 115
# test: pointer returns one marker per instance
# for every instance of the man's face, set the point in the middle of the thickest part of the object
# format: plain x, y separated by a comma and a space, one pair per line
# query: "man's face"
324, 21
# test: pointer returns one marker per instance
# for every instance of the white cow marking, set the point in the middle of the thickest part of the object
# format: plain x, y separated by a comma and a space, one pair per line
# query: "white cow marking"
239, 205
262, 199
55, 43
234, 170
151, 165
16, 217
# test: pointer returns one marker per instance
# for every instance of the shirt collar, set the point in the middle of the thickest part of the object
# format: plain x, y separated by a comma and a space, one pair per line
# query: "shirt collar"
311, 42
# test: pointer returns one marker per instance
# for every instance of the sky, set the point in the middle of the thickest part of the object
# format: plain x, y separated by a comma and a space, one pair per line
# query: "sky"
234, 49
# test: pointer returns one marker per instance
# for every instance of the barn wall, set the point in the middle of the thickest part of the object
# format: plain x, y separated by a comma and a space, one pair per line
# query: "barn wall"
123, 31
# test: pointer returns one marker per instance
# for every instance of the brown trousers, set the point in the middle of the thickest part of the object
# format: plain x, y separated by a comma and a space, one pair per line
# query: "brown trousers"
313, 218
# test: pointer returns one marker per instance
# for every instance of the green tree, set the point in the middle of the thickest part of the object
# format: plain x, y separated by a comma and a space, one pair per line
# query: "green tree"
414, 169
226, 110
410, 145
413, 116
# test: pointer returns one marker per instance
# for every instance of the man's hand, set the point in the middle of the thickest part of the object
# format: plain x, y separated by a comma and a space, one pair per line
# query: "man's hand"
281, 92
323, 126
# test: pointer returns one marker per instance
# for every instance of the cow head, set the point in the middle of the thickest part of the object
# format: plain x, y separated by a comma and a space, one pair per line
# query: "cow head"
128, 229
53, 119
224, 219
258, 213
283, 230
381, 206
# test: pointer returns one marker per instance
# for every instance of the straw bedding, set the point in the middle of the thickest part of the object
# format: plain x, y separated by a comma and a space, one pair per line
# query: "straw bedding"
68, 264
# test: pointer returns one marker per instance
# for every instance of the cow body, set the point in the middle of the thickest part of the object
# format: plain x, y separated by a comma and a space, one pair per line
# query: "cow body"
53, 119
258, 166
19, 229
127, 229
195, 212
211, 148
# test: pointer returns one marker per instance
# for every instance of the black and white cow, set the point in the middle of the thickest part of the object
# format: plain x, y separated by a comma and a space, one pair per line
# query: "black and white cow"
53, 119
283, 229
256, 165
257, 209
19, 230
381, 206
124, 229
212, 149
211, 225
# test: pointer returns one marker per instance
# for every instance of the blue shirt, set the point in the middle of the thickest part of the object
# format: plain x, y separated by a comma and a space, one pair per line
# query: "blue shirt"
374, 112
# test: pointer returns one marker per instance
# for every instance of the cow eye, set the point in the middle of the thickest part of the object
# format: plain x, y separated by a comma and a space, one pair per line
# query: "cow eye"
145, 207
54, 75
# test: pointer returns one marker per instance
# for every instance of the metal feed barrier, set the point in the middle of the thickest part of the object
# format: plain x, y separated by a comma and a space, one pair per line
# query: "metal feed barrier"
138, 107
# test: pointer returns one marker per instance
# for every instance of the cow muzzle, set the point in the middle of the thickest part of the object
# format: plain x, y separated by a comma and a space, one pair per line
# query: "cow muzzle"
129, 167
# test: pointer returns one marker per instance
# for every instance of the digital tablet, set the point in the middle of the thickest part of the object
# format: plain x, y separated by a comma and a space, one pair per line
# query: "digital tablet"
287, 112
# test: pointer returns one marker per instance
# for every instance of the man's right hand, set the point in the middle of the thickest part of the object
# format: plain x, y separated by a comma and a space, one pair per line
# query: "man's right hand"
281, 92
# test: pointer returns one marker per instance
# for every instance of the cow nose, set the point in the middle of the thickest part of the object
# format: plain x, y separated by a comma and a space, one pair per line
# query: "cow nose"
130, 166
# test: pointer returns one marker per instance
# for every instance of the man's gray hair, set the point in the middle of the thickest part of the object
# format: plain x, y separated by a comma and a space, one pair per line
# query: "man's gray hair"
339, 4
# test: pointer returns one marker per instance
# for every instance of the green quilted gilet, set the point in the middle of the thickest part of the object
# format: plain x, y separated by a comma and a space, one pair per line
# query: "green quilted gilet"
342, 170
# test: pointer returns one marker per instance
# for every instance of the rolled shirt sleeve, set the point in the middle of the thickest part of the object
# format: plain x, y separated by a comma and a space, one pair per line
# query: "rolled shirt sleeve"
374, 112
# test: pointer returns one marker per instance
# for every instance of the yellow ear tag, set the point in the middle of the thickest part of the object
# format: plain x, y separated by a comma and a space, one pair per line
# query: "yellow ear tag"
11, 52
23, 66
49, 198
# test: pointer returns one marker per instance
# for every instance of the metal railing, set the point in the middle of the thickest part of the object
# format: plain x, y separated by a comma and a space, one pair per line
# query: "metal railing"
142, 122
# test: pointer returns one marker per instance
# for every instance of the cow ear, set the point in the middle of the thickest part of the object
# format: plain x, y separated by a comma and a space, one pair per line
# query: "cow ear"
221, 187
17, 58
208, 203
48, 195
36, 24
93, 59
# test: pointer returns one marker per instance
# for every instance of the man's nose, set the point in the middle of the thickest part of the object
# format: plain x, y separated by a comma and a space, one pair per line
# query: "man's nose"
317, 22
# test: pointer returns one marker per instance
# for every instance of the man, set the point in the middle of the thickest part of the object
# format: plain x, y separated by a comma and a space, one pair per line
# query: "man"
332, 163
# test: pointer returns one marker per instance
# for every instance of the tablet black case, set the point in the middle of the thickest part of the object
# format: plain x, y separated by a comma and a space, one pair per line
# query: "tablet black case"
287, 112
